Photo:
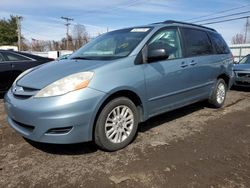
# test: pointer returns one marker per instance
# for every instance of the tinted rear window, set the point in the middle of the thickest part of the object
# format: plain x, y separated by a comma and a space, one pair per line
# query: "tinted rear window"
220, 45
196, 42
15, 57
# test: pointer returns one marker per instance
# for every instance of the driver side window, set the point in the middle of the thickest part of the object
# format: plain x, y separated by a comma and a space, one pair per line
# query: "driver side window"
169, 40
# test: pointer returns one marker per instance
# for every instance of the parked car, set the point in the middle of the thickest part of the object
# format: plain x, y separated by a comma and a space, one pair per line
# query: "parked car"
118, 80
242, 72
13, 64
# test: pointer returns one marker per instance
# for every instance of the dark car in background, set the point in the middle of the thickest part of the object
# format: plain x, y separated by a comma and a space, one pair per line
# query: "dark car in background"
13, 63
242, 72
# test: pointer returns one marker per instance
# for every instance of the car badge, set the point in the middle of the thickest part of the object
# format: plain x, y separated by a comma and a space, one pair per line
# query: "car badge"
17, 89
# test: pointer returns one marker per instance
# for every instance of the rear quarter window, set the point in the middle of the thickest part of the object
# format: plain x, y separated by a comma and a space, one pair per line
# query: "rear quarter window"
15, 57
196, 42
1, 58
219, 44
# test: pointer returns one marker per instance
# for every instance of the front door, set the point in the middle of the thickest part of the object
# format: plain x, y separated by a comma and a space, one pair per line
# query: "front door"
167, 81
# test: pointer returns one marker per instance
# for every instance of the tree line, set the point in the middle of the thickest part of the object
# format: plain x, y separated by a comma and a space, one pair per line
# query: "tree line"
9, 36
77, 39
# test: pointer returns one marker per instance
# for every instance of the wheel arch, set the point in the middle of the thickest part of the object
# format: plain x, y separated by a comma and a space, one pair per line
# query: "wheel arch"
226, 78
133, 96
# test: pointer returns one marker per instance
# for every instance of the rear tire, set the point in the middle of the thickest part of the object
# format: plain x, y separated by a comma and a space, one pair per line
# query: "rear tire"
116, 125
218, 97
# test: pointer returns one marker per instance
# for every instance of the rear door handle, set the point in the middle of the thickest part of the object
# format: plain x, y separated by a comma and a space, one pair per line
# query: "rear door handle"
193, 62
184, 64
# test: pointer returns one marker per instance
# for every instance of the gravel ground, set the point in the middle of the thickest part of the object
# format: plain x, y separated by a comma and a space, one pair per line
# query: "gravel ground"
195, 146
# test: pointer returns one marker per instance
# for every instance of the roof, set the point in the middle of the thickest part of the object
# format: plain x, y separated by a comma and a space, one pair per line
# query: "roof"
27, 55
184, 23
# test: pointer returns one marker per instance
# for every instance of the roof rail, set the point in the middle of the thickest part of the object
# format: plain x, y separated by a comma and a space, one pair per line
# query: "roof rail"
184, 23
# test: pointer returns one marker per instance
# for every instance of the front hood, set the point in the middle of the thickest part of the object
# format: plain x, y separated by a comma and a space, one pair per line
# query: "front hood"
242, 67
48, 73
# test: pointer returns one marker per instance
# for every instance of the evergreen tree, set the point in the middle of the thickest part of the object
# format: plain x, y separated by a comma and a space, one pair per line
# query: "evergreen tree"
8, 31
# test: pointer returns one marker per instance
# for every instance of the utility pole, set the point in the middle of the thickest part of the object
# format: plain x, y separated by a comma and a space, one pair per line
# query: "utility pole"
67, 19
19, 19
247, 30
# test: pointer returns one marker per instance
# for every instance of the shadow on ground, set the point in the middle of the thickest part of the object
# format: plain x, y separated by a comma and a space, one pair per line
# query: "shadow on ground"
65, 149
238, 88
170, 116
2, 95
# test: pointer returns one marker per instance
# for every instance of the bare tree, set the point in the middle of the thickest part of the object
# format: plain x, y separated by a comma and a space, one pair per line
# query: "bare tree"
80, 36
63, 44
70, 43
40, 45
56, 45
244, 37
238, 39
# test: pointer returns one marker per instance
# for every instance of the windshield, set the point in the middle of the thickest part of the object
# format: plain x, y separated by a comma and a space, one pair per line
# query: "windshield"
245, 60
112, 45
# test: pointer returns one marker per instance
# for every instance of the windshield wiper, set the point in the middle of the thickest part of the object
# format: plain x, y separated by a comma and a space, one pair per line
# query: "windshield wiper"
80, 58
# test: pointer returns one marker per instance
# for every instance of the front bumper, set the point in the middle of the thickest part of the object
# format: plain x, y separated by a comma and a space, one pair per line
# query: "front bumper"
242, 78
62, 120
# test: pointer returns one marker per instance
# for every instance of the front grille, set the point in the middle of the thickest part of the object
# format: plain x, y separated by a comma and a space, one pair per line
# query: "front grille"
22, 96
61, 130
21, 92
243, 74
25, 126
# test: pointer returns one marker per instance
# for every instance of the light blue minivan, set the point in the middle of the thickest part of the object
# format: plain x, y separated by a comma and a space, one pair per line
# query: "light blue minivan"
118, 80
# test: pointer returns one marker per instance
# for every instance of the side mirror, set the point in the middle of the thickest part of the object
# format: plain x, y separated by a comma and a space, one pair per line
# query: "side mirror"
157, 54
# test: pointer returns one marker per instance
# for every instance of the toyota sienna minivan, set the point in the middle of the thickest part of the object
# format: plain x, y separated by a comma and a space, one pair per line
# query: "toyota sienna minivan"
118, 80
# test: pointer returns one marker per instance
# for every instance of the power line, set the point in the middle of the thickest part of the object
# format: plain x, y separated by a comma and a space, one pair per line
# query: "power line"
218, 17
107, 9
239, 18
43, 35
119, 6
219, 12
104, 10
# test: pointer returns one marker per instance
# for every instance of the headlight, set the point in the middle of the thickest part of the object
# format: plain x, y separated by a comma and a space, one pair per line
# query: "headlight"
22, 74
65, 85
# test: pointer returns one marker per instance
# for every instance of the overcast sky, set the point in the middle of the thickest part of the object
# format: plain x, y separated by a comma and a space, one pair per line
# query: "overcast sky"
42, 18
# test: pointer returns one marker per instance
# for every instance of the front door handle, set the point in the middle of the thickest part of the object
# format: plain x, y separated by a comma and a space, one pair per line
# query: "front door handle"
184, 64
193, 62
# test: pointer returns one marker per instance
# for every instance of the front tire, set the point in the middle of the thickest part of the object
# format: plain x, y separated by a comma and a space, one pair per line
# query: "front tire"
116, 125
218, 97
